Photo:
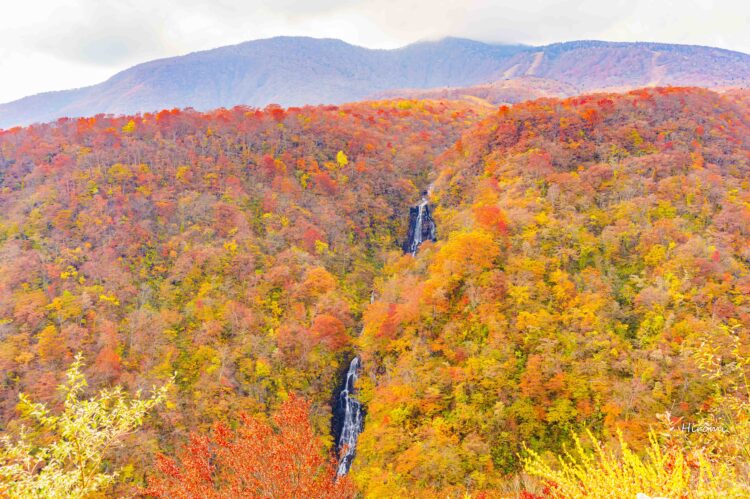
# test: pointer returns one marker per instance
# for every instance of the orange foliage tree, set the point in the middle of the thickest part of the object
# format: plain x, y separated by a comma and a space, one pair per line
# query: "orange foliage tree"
281, 458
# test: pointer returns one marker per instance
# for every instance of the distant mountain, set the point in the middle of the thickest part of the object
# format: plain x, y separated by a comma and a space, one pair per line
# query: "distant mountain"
594, 65
295, 70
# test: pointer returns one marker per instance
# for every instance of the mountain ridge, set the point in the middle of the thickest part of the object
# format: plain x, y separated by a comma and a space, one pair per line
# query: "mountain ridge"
293, 71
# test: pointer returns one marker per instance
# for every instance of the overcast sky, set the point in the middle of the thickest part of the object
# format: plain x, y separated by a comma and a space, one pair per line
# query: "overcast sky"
54, 44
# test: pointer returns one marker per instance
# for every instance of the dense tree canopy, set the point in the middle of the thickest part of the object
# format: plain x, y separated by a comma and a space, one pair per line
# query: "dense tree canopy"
589, 247
591, 267
235, 248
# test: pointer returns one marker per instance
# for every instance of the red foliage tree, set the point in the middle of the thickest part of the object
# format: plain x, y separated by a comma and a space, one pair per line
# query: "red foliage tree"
280, 459
330, 331
492, 218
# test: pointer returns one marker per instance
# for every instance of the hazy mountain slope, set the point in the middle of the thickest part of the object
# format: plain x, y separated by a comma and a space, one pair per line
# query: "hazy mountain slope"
567, 69
592, 65
293, 71
285, 70
498, 92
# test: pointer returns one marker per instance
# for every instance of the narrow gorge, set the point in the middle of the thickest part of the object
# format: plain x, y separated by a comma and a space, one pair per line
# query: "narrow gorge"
348, 413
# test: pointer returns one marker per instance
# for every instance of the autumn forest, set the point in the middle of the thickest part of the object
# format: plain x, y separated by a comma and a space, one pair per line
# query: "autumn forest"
182, 294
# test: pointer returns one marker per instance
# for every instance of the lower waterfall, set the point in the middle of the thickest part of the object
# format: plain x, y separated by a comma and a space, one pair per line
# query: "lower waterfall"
350, 411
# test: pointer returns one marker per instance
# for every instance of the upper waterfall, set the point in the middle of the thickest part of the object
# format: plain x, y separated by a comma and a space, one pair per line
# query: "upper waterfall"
421, 226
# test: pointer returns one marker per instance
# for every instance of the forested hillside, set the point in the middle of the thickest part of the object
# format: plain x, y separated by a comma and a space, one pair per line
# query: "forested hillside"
236, 249
589, 248
590, 273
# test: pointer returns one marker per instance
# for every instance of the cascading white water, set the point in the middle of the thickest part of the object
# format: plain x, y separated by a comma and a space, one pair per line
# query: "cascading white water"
421, 226
417, 240
352, 418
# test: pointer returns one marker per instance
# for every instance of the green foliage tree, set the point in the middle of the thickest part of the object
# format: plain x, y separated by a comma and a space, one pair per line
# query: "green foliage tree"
63, 456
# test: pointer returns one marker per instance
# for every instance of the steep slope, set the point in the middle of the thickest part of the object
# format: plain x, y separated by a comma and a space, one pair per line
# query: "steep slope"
589, 249
295, 71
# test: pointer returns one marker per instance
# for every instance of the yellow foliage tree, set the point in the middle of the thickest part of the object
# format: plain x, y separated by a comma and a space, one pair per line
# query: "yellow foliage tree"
69, 462
341, 159
664, 472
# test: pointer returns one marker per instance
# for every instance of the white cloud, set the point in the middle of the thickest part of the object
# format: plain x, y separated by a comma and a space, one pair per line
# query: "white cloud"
49, 45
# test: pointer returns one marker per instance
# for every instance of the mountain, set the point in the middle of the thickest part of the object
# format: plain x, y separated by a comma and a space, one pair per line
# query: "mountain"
596, 65
293, 71
286, 70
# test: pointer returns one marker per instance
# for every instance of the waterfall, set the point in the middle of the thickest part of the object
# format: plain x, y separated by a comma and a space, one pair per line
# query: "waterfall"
351, 411
417, 239
421, 226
